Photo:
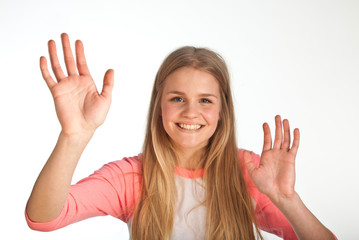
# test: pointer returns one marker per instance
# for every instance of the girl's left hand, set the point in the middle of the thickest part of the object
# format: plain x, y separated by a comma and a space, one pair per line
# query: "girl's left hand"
275, 175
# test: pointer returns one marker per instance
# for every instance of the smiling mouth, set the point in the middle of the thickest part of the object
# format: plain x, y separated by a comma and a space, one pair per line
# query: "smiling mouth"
189, 126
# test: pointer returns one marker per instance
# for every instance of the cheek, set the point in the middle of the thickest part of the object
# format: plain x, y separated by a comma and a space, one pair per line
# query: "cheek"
167, 112
169, 115
212, 115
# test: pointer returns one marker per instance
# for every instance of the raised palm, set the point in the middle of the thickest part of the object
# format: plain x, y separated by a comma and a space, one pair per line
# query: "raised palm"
79, 106
275, 175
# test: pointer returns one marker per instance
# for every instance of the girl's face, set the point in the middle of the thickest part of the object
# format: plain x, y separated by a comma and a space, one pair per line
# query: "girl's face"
190, 105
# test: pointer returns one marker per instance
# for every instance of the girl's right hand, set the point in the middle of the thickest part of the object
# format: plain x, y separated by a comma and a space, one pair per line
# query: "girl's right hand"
80, 108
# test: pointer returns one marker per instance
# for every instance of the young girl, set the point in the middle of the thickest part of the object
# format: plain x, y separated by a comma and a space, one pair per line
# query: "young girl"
191, 181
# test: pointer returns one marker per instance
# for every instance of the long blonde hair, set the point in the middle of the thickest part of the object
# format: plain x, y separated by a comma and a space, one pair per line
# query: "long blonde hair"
230, 214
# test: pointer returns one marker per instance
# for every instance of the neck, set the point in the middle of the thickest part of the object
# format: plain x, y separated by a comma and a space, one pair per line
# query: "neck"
190, 159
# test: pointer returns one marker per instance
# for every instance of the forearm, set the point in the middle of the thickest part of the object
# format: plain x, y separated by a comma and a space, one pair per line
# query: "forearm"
304, 223
52, 186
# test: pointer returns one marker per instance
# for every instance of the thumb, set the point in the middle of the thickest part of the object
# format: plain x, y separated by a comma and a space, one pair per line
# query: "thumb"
108, 83
248, 162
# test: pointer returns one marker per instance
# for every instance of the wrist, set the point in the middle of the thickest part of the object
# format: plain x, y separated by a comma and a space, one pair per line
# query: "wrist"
287, 202
77, 135
79, 139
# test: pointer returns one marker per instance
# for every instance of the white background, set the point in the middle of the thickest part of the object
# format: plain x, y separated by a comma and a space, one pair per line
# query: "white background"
299, 59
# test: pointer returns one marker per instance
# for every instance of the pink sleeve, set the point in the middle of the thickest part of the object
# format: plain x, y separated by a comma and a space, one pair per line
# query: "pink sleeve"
269, 217
112, 190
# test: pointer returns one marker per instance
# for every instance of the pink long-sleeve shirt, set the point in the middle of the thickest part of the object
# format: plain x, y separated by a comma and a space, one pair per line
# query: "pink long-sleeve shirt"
115, 189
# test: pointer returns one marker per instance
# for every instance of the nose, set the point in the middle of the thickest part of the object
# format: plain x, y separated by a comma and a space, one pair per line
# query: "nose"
191, 110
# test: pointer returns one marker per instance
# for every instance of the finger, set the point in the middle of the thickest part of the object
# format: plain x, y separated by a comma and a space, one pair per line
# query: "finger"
267, 144
108, 83
286, 141
80, 59
45, 73
248, 162
278, 133
55, 65
69, 59
296, 139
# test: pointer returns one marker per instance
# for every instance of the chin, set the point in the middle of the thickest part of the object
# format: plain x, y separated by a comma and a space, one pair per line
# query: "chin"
191, 146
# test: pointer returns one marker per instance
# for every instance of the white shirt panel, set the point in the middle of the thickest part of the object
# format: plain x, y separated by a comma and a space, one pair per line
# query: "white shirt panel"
190, 217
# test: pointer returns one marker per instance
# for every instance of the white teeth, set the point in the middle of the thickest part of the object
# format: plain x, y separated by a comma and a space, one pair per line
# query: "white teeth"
189, 127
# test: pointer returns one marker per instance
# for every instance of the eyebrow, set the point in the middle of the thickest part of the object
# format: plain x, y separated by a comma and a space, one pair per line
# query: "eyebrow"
201, 95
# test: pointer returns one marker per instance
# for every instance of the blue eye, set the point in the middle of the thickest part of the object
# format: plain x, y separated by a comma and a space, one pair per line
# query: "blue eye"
177, 99
205, 100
